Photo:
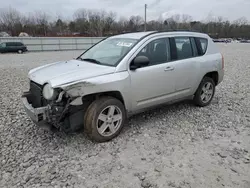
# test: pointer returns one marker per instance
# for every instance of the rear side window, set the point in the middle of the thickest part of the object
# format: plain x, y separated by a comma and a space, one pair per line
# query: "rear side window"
201, 44
183, 47
19, 44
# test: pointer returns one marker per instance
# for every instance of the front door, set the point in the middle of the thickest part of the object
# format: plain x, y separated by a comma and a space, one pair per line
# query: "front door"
153, 84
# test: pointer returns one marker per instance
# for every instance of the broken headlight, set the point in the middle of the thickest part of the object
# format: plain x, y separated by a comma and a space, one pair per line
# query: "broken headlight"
49, 93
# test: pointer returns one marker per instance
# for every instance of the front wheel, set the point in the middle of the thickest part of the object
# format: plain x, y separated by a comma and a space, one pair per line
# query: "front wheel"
104, 119
20, 51
205, 92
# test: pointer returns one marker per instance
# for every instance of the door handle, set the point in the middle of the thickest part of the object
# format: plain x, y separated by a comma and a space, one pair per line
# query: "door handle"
169, 69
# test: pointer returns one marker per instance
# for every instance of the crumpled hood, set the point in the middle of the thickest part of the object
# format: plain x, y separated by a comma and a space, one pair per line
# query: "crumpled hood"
60, 73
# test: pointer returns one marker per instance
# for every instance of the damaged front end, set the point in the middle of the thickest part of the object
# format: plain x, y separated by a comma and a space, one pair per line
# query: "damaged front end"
56, 113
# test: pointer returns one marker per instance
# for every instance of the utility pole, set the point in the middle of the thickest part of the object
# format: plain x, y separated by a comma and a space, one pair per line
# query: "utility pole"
145, 23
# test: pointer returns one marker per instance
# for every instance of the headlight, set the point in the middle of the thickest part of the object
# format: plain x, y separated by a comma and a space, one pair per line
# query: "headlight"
48, 92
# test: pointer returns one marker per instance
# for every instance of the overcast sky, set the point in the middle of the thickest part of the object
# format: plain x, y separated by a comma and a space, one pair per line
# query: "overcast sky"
198, 9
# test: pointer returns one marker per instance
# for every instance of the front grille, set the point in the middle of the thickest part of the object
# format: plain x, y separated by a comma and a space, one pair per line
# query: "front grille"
36, 95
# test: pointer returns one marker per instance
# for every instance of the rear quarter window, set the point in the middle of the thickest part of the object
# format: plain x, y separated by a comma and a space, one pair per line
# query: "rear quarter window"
201, 44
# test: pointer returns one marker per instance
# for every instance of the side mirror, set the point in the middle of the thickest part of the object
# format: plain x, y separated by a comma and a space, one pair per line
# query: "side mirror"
139, 61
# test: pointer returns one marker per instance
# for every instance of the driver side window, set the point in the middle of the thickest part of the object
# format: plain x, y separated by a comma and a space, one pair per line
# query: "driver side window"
157, 51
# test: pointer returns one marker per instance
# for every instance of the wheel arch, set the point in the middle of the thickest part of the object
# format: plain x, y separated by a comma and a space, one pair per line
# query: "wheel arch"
94, 96
214, 75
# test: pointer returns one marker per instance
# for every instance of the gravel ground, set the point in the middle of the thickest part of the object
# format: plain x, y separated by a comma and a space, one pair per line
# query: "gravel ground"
179, 146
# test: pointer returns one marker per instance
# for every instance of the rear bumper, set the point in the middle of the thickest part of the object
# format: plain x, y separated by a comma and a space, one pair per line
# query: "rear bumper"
221, 76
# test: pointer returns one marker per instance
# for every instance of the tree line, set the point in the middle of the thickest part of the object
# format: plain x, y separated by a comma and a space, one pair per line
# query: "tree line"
98, 23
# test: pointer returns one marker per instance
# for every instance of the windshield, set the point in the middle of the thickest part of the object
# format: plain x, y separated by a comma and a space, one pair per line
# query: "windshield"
109, 52
2, 45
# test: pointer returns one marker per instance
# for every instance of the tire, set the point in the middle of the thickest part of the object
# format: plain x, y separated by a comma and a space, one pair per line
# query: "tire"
20, 51
103, 131
199, 99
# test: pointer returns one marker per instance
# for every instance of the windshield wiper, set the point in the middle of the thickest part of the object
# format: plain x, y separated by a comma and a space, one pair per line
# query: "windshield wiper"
91, 60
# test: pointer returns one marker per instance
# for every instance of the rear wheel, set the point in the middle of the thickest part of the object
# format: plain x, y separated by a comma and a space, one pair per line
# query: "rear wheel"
205, 92
104, 119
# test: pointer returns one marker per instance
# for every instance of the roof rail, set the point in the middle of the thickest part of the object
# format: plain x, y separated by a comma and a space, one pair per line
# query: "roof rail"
176, 30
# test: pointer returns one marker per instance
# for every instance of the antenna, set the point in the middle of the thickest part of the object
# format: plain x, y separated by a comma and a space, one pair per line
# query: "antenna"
145, 23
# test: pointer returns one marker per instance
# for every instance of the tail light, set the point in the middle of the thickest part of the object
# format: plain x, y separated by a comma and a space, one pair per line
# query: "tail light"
222, 61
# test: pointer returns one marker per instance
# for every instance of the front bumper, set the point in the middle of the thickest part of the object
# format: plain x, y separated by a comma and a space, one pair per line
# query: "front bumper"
37, 115
52, 115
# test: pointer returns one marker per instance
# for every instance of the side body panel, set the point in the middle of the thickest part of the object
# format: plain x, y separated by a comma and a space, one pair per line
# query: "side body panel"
188, 73
151, 86
106, 83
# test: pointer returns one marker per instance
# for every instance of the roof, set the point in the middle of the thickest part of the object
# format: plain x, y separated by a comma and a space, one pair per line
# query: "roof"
139, 35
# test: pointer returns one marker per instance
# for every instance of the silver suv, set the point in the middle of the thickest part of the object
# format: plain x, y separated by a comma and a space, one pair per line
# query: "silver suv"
123, 75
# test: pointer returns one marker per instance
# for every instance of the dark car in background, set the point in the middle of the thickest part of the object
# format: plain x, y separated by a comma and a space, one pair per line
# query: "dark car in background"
244, 41
18, 47
223, 40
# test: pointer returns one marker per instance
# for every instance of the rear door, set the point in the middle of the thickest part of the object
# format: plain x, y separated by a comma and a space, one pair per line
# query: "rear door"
186, 64
17, 46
